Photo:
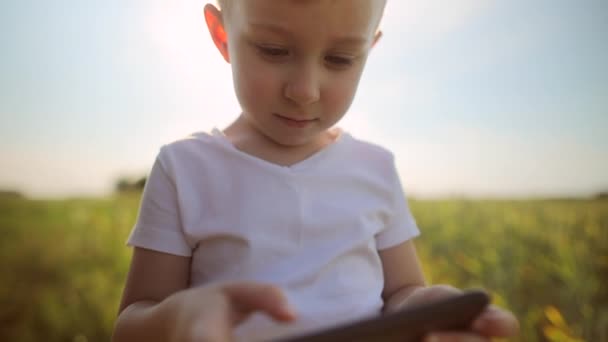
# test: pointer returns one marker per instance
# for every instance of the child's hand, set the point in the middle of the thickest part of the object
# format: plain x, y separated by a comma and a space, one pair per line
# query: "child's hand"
493, 322
211, 313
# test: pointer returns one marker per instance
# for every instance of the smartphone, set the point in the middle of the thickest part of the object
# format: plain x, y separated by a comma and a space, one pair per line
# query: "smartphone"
410, 324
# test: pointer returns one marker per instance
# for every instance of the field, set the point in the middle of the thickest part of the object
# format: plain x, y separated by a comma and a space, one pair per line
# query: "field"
63, 263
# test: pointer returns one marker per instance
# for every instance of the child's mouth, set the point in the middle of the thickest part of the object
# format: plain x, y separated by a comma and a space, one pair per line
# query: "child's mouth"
298, 123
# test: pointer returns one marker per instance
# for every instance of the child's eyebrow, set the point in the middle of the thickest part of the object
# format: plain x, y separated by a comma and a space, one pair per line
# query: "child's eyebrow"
347, 40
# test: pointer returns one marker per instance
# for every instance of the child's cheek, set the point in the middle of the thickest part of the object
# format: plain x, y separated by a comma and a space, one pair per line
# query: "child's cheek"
256, 85
338, 96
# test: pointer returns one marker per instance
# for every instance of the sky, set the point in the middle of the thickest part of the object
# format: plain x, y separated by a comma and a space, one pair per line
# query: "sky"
476, 98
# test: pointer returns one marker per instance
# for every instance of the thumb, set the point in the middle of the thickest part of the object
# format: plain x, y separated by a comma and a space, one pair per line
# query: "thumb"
246, 298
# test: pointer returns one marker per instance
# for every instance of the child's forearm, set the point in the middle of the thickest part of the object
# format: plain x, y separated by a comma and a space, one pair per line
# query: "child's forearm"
396, 299
142, 321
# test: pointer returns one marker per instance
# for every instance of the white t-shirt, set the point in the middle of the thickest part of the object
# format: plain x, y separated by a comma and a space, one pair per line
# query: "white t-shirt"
313, 228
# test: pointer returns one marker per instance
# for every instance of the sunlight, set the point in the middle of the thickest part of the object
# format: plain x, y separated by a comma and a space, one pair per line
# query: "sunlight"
202, 93
424, 20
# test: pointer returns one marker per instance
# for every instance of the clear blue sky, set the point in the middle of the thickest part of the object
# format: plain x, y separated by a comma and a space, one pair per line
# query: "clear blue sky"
475, 97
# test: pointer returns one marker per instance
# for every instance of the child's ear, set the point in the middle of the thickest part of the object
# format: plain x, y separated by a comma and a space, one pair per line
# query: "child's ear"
215, 24
377, 38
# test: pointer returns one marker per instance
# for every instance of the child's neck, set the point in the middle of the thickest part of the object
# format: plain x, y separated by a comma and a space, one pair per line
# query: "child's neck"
250, 140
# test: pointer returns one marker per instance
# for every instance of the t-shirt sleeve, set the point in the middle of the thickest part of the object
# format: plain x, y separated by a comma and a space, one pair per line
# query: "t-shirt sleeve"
400, 223
158, 226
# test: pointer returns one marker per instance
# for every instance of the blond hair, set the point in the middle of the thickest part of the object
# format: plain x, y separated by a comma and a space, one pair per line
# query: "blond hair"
225, 4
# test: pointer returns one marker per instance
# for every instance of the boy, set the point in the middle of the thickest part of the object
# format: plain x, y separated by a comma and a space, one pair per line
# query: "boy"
281, 196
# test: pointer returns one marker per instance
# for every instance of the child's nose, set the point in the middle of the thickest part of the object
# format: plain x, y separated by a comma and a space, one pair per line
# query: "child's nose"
303, 87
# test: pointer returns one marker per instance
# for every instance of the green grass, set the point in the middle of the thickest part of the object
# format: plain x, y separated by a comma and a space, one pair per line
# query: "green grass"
64, 263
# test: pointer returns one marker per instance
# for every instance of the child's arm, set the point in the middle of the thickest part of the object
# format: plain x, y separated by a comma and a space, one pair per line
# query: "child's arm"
157, 306
404, 285
402, 274
144, 315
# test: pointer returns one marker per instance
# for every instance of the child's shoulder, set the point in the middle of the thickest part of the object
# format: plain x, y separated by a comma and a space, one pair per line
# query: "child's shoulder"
369, 151
195, 146
193, 142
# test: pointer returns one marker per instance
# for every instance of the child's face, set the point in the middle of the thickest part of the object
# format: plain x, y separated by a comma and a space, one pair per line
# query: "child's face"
297, 63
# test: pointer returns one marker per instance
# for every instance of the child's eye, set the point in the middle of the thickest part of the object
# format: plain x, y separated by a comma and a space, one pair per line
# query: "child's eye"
273, 51
339, 61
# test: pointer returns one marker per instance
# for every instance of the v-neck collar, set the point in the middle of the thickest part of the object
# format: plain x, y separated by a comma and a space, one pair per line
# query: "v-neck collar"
309, 161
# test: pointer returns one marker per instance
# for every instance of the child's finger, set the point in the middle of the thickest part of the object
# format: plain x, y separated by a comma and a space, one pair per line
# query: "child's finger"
496, 322
249, 297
